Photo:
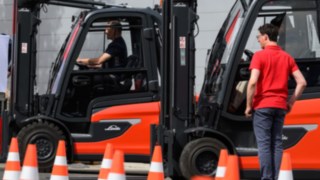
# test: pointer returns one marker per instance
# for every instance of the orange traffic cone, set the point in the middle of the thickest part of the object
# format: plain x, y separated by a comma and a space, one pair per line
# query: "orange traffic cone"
222, 164
60, 166
12, 169
232, 172
117, 167
202, 178
286, 168
156, 167
30, 164
106, 162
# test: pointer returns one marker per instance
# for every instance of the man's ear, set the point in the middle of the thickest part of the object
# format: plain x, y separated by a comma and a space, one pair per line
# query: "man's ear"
266, 37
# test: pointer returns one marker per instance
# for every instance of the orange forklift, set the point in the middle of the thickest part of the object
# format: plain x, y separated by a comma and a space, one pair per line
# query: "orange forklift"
193, 133
86, 107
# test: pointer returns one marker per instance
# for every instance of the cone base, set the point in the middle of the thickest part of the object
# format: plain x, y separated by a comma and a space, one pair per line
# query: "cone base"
285, 175
221, 171
104, 173
55, 177
113, 176
155, 176
29, 173
8, 175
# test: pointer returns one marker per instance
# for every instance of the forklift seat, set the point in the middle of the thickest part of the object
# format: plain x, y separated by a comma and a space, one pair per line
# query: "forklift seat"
116, 83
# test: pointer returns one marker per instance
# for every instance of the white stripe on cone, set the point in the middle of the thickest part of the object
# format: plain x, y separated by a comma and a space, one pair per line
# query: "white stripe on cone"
221, 171
285, 175
56, 177
116, 176
156, 167
29, 173
11, 175
13, 156
106, 163
60, 161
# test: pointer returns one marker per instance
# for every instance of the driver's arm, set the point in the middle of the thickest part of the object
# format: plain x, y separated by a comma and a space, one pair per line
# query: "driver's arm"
94, 61
95, 66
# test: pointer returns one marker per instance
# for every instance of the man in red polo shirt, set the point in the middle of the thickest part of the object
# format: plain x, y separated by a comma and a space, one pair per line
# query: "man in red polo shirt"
267, 95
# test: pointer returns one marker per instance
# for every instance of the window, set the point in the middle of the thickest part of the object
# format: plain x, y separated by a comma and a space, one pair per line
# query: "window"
298, 35
123, 73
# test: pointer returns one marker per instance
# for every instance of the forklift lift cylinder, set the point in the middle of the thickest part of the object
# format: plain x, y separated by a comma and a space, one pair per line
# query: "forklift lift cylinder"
24, 65
181, 83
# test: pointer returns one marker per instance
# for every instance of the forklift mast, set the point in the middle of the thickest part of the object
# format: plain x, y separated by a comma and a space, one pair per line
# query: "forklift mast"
24, 100
178, 76
24, 63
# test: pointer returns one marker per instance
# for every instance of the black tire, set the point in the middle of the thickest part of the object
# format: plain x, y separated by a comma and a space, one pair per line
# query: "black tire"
46, 136
200, 156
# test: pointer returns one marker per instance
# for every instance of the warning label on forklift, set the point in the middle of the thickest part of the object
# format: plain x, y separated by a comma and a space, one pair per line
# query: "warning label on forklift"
182, 43
24, 48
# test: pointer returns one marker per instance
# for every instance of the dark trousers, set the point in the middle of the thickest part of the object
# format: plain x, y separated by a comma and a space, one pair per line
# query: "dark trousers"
267, 126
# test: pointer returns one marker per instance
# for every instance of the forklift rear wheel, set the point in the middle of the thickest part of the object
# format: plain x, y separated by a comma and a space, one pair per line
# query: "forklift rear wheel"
200, 156
46, 136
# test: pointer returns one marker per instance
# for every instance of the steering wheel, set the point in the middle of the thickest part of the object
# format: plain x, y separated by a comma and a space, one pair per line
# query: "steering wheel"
249, 54
81, 67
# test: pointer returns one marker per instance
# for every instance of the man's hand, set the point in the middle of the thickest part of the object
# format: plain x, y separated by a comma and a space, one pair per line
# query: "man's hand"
95, 66
289, 107
80, 61
251, 88
248, 112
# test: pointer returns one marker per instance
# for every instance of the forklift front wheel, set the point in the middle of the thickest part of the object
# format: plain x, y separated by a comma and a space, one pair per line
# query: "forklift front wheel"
46, 136
200, 156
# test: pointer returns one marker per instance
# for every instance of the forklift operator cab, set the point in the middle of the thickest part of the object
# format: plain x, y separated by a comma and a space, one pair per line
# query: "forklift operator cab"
87, 84
298, 35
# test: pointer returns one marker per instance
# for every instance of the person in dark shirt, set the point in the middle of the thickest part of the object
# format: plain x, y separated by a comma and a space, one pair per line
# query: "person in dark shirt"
116, 53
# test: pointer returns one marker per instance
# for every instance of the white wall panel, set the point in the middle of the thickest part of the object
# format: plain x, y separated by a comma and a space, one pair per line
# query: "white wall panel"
44, 73
51, 42
45, 58
6, 26
211, 21
58, 12
6, 11
57, 26
6, 16
214, 5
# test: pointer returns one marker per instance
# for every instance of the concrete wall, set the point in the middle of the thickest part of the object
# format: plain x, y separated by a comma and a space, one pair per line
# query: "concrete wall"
56, 23
6, 16
55, 26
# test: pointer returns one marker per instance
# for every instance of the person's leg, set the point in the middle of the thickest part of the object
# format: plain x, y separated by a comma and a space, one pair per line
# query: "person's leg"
262, 122
276, 142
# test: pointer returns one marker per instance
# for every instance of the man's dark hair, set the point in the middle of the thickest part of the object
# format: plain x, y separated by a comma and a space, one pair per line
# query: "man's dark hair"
116, 25
270, 30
